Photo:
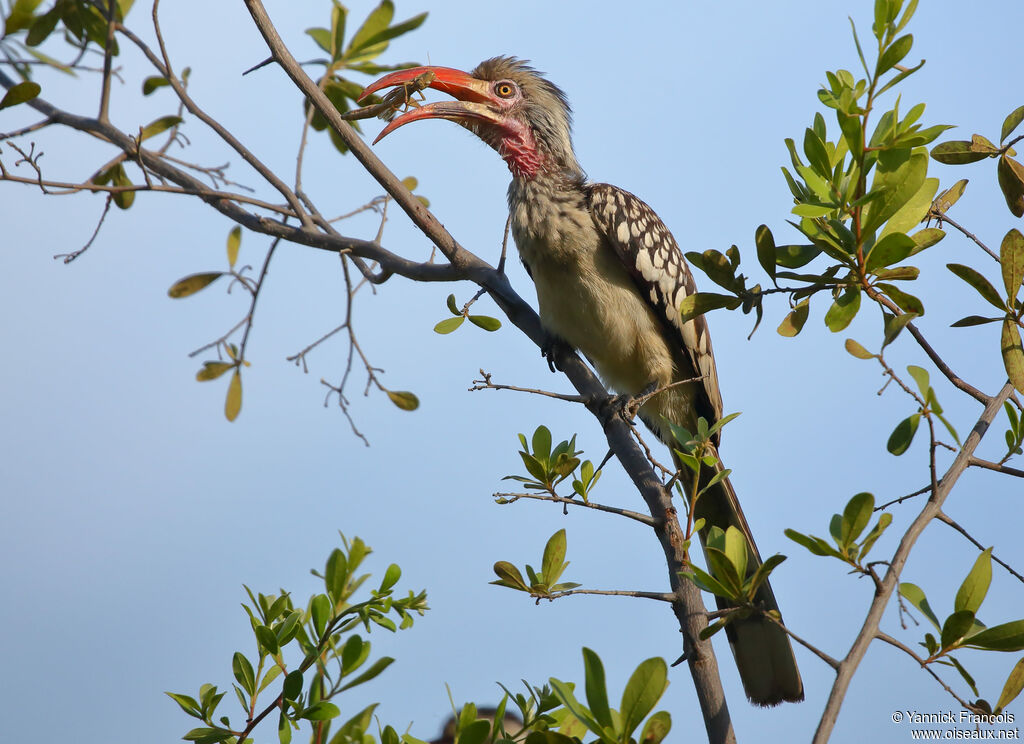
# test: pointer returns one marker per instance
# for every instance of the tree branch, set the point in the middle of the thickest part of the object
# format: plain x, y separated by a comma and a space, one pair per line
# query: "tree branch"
511, 498
688, 605
931, 510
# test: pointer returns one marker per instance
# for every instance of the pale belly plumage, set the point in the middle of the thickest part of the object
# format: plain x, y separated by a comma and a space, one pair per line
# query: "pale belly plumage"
586, 297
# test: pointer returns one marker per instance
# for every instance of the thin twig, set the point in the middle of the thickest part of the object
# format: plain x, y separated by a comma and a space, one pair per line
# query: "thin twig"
809, 646
486, 384
660, 596
977, 462
69, 257
511, 498
927, 667
945, 218
946, 519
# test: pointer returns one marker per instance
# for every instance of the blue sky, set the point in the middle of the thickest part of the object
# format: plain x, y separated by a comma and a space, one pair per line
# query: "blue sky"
133, 512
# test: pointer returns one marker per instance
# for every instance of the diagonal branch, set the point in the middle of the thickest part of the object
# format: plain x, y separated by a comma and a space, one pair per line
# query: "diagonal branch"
688, 605
869, 630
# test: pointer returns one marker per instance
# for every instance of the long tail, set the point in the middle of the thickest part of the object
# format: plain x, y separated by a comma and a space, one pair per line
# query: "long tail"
764, 655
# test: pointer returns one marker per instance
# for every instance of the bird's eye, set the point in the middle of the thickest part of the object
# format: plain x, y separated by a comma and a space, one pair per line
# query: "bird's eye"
505, 89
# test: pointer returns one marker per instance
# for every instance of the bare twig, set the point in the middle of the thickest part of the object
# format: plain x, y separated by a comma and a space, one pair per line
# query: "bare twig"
946, 519
927, 667
945, 218
660, 596
809, 646
69, 257
999, 468
511, 498
486, 384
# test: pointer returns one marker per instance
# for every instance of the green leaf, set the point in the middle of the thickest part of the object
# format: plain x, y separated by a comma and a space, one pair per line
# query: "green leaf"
699, 303
920, 376
1013, 353
1011, 122
391, 577
20, 93
292, 687
857, 350
1005, 637
1011, 181
974, 588
856, 516
242, 669
926, 238
656, 728
375, 669
979, 282
322, 711
891, 249
509, 576
157, 126
736, 550
843, 309
903, 435
207, 735
793, 323
192, 283
1015, 682
876, 532
813, 210
554, 557
894, 325
565, 694
186, 703
213, 370
152, 83
644, 689
913, 594
907, 302
597, 692
486, 322
233, 401
795, 256
1011, 259
766, 250
763, 572
957, 152
956, 627
378, 20
234, 243
900, 174
448, 325
404, 399
949, 197
452, 307
816, 545
893, 54
267, 640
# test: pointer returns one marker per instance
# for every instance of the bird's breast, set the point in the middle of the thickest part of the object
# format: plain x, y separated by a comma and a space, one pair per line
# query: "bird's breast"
587, 297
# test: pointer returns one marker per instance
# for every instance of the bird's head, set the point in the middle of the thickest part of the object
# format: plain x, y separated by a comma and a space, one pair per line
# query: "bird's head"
506, 103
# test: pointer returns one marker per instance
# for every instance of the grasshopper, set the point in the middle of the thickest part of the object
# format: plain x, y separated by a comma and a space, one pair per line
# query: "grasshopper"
395, 99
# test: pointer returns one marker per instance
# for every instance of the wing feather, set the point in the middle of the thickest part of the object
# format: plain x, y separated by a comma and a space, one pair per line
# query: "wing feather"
662, 276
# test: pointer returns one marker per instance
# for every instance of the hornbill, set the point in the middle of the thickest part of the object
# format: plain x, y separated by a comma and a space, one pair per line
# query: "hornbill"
610, 278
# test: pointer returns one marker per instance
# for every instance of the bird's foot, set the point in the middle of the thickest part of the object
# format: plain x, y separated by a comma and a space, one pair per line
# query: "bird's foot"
553, 347
626, 406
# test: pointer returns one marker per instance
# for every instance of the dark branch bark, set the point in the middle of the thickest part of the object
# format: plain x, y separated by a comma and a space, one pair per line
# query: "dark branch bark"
688, 605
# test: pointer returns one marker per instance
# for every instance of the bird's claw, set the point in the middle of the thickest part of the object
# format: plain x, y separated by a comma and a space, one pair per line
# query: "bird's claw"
552, 347
625, 405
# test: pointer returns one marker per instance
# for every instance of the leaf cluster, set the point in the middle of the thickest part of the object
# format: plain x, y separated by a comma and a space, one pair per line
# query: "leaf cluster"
448, 325
542, 584
729, 578
333, 659
846, 530
548, 466
961, 630
643, 690
368, 42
